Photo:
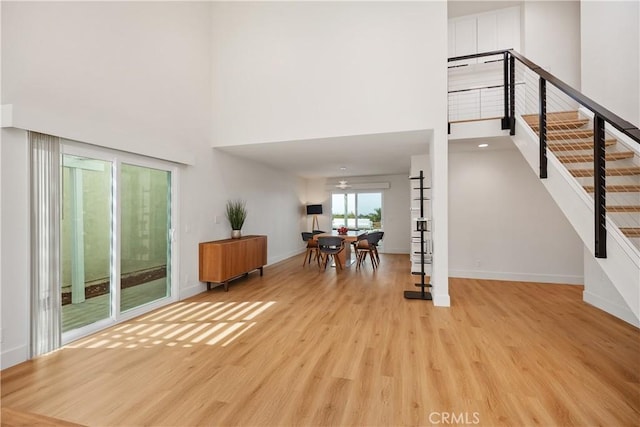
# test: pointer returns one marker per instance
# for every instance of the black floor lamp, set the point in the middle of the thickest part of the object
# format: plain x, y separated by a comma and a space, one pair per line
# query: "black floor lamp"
314, 210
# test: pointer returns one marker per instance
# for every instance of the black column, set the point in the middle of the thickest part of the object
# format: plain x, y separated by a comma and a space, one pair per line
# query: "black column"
542, 126
600, 189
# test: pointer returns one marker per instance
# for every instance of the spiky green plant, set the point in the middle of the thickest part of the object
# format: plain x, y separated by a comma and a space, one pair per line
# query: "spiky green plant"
236, 213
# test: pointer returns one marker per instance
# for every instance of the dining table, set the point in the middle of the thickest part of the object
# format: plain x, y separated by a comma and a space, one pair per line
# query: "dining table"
344, 257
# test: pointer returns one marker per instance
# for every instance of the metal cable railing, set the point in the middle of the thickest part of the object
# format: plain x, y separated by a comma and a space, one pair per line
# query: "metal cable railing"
574, 128
477, 88
476, 91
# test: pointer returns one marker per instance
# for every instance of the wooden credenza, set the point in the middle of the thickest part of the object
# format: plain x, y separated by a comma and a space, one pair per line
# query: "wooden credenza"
224, 260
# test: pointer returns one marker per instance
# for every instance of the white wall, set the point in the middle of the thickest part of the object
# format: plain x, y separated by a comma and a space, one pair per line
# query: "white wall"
552, 37
611, 55
274, 202
610, 61
298, 70
395, 201
15, 267
503, 224
136, 77
287, 71
395, 205
133, 76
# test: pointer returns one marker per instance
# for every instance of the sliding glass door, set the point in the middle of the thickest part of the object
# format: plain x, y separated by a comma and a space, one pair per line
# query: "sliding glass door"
86, 241
145, 251
357, 211
116, 237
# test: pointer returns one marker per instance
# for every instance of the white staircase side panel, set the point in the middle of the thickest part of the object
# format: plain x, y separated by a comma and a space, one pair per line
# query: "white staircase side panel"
601, 293
622, 265
477, 129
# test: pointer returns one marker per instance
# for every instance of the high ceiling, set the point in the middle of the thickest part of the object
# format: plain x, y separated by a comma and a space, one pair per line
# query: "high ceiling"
361, 155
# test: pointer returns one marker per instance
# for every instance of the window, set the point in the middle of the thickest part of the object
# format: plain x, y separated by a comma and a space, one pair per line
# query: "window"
357, 211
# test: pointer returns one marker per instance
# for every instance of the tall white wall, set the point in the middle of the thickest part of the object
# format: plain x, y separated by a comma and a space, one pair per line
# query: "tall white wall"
610, 33
136, 77
503, 224
287, 71
552, 37
610, 62
120, 75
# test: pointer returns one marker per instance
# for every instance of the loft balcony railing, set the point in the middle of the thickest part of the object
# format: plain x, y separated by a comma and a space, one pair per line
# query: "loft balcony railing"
504, 84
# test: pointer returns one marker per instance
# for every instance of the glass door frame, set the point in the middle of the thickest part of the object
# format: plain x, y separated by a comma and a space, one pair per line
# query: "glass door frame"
117, 158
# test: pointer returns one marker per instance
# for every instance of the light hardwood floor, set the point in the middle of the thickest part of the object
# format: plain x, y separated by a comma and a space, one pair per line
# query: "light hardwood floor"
301, 346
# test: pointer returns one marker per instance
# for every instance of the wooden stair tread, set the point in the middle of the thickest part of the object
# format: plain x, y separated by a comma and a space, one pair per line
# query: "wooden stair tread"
553, 116
561, 124
616, 188
632, 170
623, 208
631, 231
562, 135
584, 158
578, 145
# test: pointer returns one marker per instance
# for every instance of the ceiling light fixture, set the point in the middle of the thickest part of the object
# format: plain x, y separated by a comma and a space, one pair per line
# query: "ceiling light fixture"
343, 185
483, 145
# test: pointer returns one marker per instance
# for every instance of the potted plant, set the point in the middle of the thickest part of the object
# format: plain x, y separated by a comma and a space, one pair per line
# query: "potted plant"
236, 214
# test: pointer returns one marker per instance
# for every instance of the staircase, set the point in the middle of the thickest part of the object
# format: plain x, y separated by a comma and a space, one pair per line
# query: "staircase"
570, 184
611, 233
570, 139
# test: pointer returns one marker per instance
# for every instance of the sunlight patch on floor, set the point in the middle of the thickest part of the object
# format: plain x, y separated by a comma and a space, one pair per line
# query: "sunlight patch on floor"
183, 325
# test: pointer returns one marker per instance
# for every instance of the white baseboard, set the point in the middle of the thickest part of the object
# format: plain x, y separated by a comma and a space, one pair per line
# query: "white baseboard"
282, 257
441, 300
518, 277
14, 356
192, 290
401, 251
623, 313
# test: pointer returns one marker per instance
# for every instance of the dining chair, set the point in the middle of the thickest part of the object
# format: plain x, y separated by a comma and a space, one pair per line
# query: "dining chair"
330, 247
359, 238
368, 246
312, 247
378, 236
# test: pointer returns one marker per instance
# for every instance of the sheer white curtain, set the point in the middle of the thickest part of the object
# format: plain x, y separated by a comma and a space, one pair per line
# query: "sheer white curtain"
45, 243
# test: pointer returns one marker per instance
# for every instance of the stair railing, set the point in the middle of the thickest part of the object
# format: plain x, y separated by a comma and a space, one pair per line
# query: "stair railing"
516, 90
